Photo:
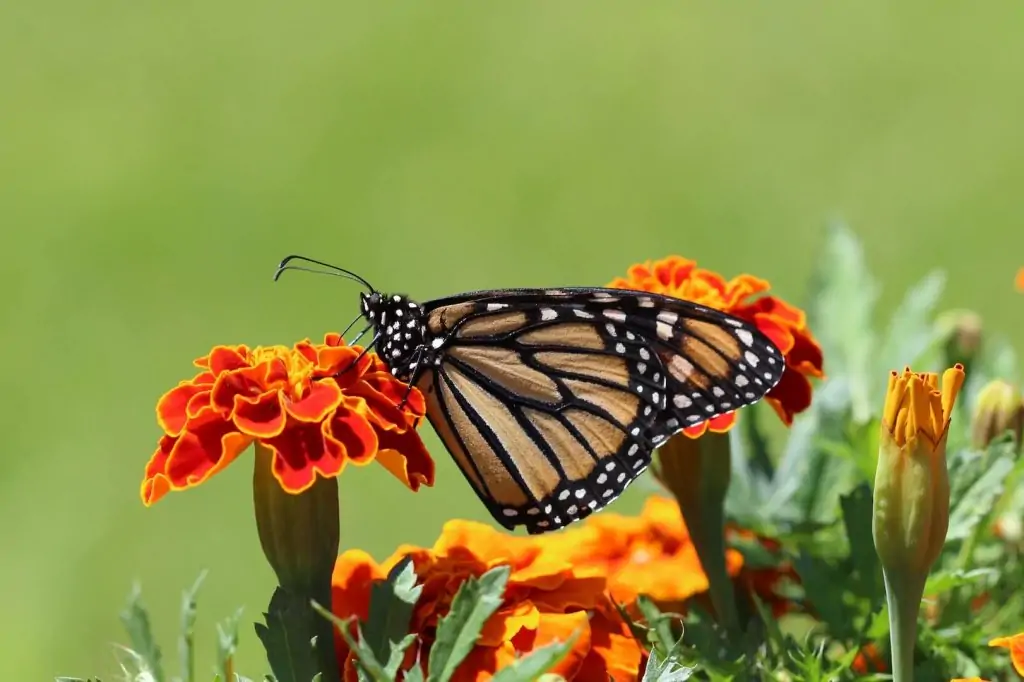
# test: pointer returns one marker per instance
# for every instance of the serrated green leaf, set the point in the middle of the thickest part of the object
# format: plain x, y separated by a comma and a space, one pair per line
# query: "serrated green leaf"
537, 662
840, 313
659, 624
476, 600
397, 654
912, 330
944, 581
668, 665
979, 499
367, 665
136, 623
186, 636
287, 638
391, 605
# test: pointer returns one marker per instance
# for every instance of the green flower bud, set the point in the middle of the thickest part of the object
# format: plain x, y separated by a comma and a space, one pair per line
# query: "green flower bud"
1000, 408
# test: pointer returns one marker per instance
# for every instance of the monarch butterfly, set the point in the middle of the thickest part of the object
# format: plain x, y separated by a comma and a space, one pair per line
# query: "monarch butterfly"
551, 401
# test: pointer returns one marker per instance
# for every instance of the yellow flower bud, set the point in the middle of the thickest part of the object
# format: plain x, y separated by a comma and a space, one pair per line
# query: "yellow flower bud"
911, 497
1000, 408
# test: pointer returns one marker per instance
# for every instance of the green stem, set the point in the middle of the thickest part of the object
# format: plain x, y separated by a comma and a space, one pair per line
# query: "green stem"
708, 537
903, 595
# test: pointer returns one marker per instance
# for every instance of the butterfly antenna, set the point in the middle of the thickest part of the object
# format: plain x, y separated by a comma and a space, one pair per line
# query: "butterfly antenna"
330, 270
350, 325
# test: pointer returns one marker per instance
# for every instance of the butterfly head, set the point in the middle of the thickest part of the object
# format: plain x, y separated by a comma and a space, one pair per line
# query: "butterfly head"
399, 329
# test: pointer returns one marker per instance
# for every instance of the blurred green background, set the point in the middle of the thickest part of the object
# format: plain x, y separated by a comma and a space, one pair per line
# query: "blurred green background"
158, 159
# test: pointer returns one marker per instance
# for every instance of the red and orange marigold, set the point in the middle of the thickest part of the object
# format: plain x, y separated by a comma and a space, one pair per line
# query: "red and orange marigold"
783, 323
653, 555
547, 598
309, 405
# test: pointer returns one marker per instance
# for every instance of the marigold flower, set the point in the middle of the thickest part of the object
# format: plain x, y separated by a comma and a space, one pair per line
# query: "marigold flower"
1019, 280
652, 554
911, 497
547, 598
1016, 646
783, 323
305, 404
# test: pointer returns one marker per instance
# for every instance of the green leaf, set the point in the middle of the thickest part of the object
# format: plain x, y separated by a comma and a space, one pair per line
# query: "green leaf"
391, 606
457, 632
537, 662
659, 624
840, 313
227, 643
667, 668
912, 330
944, 581
977, 502
288, 638
415, 673
397, 654
186, 639
857, 513
144, 647
367, 665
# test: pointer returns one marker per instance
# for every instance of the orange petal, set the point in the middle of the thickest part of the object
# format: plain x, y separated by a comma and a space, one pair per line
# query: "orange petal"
348, 435
560, 627
355, 571
790, 396
1016, 646
171, 412
154, 484
260, 416
506, 623
613, 651
322, 399
1019, 281
195, 456
226, 358
300, 452
406, 457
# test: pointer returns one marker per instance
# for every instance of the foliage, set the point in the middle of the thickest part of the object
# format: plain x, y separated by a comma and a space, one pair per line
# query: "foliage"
808, 489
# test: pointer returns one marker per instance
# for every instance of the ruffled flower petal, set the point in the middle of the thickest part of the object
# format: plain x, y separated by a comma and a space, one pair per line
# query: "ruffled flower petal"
311, 404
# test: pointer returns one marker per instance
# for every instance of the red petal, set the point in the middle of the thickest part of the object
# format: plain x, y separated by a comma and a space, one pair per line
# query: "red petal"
261, 416
197, 455
171, 409
791, 395
299, 452
350, 436
154, 484
226, 358
322, 399
406, 457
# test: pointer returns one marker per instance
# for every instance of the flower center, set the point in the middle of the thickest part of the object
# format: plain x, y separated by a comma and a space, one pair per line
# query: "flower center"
290, 372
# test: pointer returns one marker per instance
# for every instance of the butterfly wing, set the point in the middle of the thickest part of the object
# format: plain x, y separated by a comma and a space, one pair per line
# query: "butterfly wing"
551, 401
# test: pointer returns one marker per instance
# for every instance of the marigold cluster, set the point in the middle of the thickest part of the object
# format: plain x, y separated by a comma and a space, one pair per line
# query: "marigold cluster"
310, 405
653, 555
781, 322
547, 598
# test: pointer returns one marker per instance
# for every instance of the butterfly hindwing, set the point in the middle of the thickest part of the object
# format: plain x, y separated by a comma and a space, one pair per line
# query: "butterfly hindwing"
551, 401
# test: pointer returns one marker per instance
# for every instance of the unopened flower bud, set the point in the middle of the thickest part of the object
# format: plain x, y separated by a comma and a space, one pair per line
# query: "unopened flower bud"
911, 497
1000, 408
962, 330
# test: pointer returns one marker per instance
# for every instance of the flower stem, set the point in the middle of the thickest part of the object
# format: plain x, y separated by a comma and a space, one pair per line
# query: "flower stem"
903, 595
300, 536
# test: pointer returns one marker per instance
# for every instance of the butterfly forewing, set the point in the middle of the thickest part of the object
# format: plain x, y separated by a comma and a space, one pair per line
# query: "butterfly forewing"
551, 401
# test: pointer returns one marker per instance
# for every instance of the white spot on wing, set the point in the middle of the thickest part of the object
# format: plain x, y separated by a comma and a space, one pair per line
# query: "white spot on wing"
548, 314
681, 401
664, 331
496, 306
745, 336
751, 358
616, 315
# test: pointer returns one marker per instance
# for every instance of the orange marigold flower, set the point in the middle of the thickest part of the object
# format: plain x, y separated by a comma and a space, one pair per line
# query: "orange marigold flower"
869, 660
547, 598
651, 555
784, 324
1019, 281
1016, 646
299, 403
